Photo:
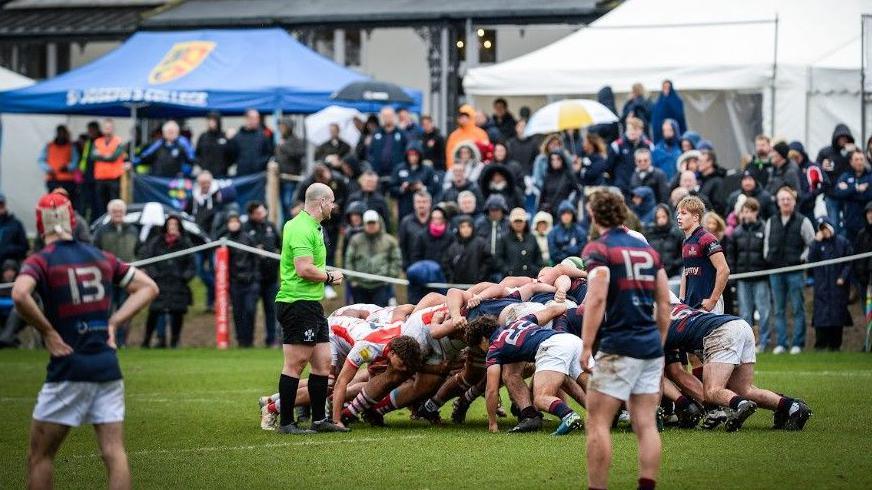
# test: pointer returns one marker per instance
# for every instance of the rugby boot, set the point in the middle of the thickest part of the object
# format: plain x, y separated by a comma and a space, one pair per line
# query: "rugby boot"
735, 420
532, 424
327, 425
569, 423
293, 429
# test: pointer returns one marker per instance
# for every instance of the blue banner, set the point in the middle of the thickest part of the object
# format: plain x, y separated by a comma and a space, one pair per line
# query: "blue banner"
177, 192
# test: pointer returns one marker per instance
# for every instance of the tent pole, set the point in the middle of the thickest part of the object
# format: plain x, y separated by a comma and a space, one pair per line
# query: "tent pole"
774, 78
277, 118
131, 151
863, 75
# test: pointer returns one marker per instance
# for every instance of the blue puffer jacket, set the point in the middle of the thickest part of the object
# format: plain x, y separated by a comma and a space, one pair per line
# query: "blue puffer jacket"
667, 151
566, 241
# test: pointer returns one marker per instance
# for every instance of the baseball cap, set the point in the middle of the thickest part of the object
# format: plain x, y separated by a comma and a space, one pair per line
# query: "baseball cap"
371, 216
518, 214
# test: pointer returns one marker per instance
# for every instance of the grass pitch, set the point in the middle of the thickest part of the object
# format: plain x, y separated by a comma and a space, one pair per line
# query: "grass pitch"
192, 422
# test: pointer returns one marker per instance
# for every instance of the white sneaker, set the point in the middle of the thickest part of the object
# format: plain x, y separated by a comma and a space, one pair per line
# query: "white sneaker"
329, 292
268, 419
779, 350
796, 350
263, 401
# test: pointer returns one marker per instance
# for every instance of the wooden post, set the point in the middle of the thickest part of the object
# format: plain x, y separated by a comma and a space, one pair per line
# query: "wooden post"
125, 186
273, 182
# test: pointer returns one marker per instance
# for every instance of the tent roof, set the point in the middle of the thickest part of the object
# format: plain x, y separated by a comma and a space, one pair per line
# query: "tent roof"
10, 80
700, 44
186, 73
214, 13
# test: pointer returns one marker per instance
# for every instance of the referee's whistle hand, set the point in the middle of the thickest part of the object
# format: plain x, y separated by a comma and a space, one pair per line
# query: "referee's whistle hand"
337, 278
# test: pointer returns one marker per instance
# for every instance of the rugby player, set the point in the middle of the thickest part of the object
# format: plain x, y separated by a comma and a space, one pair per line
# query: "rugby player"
625, 282
76, 282
705, 265
726, 345
556, 356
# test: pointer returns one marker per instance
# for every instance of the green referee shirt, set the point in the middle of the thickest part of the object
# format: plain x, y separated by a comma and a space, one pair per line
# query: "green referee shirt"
301, 237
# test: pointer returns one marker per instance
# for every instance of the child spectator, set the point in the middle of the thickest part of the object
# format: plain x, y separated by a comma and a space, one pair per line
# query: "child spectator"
745, 254
567, 238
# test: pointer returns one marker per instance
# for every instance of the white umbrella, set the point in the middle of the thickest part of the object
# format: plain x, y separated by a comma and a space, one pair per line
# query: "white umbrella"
568, 114
318, 124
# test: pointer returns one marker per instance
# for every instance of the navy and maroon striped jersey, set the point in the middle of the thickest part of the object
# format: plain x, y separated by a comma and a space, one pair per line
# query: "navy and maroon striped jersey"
629, 328
688, 327
699, 272
517, 342
76, 282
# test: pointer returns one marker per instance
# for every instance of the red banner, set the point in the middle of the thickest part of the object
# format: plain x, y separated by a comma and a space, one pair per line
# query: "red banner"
222, 296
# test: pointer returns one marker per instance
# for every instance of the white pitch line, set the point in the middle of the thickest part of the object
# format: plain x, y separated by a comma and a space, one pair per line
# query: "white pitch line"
151, 452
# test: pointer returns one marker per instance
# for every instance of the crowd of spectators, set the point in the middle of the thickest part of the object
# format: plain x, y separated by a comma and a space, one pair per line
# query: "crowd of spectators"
486, 200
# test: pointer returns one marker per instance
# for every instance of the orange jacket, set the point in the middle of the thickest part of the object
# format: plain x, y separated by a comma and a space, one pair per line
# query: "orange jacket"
109, 148
468, 132
58, 158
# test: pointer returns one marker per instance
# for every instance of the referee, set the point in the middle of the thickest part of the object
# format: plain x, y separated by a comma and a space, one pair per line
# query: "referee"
298, 309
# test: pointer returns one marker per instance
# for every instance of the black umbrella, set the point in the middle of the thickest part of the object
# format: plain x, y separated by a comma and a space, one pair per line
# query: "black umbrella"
373, 91
134, 217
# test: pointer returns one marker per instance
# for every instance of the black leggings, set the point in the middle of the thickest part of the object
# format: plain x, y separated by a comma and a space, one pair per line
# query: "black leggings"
828, 338
176, 320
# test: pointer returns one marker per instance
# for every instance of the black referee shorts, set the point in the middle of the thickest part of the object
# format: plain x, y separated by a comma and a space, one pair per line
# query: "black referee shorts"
303, 322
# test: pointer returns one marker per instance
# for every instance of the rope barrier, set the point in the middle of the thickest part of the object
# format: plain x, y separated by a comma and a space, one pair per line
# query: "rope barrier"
439, 285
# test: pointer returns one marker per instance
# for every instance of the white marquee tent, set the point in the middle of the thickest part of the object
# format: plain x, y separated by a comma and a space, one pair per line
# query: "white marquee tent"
721, 57
22, 137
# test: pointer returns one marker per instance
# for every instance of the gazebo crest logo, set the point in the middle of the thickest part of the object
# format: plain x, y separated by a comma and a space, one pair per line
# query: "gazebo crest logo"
181, 59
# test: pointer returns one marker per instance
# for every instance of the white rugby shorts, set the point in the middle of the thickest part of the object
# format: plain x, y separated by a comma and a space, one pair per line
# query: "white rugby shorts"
560, 353
731, 343
74, 403
621, 376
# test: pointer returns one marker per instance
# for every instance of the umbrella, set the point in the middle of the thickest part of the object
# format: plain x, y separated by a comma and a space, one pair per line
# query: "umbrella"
156, 216
568, 114
318, 124
373, 91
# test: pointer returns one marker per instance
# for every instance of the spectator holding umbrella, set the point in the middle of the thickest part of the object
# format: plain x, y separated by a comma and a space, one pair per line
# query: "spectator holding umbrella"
244, 282
668, 106
172, 277
335, 145
831, 286
252, 145
214, 151
58, 160
523, 148
373, 252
